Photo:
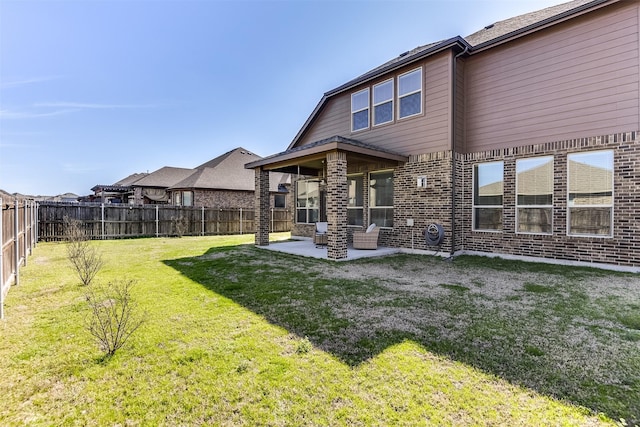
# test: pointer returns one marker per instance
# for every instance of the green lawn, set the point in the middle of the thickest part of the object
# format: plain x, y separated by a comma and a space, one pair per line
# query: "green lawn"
240, 336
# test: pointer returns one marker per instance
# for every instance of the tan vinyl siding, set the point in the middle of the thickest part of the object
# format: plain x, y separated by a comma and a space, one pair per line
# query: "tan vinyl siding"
428, 132
579, 78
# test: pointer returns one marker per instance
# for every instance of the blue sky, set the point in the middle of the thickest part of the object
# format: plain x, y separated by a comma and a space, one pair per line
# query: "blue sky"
93, 91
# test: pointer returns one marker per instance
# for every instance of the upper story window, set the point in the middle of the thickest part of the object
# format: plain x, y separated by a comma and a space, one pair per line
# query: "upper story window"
488, 184
360, 110
410, 93
534, 195
383, 102
590, 194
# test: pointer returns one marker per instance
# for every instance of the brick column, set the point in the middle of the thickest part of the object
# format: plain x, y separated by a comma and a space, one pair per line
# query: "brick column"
262, 207
337, 204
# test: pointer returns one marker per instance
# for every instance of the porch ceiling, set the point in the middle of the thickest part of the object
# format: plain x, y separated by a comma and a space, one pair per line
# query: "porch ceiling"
310, 157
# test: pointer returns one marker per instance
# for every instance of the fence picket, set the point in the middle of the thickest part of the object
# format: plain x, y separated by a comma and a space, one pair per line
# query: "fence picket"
104, 221
17, 228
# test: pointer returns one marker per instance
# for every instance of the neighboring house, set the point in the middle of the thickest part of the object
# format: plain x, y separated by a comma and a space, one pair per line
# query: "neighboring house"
520, 139
120, 192
222, 182
225, 183
152, 189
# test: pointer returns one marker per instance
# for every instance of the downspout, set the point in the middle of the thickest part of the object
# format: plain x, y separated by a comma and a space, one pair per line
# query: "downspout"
454, 93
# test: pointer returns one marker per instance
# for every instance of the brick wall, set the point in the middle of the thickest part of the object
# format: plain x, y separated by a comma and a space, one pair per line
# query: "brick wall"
424, 205
621, 249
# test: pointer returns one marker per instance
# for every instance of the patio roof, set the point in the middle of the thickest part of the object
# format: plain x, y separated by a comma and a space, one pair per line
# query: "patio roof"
311, 155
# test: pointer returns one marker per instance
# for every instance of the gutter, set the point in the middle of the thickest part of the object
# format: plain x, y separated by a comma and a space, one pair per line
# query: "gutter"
454, 92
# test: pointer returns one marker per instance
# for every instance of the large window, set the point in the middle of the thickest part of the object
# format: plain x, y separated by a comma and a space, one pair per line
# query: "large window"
534, 195
307, 201
381, 198
590, 198
410, 93
488, 179
383, 103
355, 200
360, 110
183, 198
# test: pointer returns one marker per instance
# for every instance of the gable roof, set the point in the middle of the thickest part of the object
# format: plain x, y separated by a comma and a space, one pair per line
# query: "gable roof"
489, 36
131, 178
337, 142
164, 177
231, 159
227, 172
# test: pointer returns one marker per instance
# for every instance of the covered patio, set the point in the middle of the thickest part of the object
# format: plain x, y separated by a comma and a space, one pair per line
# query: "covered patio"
306, 248
328, 160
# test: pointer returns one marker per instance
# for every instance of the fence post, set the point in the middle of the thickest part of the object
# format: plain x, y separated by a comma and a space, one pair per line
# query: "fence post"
102, 219
16, 242
24, 246
1, 262
32, 227
240, 221
157, 222
272, 220
203, 220
37, 222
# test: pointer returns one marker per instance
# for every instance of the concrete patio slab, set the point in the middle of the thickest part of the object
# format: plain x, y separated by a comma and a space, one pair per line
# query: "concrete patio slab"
305, 247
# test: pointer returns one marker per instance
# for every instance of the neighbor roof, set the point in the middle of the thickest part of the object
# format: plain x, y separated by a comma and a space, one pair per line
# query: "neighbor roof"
164, 177
231, 159
227, 172
131, 178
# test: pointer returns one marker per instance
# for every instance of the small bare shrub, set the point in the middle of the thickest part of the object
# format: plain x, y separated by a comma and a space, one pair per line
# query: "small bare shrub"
180, 225
114, 317
84, 257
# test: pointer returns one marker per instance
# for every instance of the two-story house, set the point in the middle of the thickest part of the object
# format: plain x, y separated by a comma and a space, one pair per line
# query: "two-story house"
520, 139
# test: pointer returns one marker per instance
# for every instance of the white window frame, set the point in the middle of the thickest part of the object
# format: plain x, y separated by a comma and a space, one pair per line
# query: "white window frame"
356, 207
610, 205
371, 199
403, 95
178, 198
519, 206
473, 200
306, 208
385, 101
367, 108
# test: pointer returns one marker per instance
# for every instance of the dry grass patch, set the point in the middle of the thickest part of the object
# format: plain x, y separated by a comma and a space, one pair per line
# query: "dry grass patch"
239, 336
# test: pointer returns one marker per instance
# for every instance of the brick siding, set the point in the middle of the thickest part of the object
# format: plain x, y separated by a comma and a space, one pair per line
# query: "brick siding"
621, 249
433, 203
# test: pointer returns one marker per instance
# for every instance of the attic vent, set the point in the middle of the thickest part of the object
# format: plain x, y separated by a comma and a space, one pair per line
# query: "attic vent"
489, 26
404, 54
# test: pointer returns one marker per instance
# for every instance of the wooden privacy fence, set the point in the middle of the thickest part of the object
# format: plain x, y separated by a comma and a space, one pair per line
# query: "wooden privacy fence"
18, 238
106, 221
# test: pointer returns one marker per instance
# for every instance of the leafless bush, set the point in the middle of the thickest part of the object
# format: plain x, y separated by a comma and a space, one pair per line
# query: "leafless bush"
84, 257
114, 314
180, 225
